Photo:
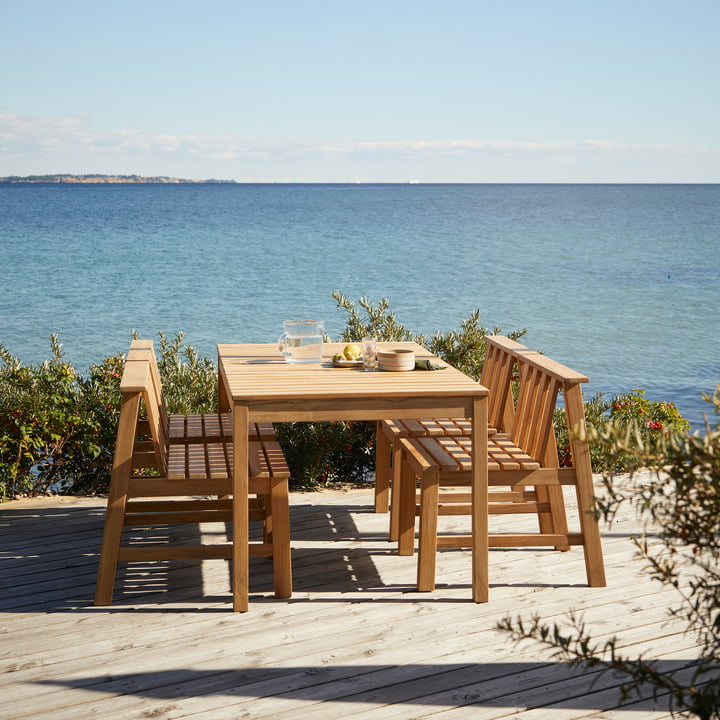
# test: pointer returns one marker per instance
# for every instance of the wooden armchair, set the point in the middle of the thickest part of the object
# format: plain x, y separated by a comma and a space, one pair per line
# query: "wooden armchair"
525, 460
500, 367
189, 480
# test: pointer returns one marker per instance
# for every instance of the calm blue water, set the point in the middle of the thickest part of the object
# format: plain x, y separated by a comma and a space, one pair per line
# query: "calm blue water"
621, 282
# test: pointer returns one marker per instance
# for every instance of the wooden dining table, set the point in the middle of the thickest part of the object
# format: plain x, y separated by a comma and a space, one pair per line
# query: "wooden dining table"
257, 385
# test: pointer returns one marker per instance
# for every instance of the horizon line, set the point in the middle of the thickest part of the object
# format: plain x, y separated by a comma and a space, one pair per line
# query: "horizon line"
14, 179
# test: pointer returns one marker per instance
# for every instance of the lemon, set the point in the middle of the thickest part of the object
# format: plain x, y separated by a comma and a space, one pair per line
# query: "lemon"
352, 352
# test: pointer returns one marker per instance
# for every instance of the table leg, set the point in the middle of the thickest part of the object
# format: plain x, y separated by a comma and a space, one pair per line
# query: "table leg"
382, 469
480, 529
241, 520
406, 517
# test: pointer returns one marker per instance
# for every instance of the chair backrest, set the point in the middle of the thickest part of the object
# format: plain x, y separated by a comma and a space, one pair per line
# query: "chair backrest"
141, 375
541, 380
501, 356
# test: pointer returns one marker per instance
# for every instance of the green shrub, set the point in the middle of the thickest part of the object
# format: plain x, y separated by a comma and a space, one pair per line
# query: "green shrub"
56, 428
190, 383
379, 321
325, 453
465, 348
680, 504
655, 417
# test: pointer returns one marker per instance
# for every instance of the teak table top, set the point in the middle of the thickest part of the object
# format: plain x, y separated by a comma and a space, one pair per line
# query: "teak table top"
274, 390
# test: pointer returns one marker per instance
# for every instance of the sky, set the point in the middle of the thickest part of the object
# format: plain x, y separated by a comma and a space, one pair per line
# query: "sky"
372, 91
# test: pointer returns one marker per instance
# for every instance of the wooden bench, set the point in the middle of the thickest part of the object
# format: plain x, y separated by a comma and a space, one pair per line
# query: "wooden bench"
524, 460
499, 370
161, 477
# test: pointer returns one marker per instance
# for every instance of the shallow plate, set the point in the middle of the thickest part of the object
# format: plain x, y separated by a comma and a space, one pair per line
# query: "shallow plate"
347, 363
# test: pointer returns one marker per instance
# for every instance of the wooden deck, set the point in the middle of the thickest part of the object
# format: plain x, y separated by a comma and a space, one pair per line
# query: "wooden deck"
355, 641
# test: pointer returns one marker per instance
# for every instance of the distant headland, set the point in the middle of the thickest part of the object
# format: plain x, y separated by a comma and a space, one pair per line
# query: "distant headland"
104, 179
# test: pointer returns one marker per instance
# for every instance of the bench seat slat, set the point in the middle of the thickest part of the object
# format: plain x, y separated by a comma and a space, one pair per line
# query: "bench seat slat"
211, 427
454, 453
214, 460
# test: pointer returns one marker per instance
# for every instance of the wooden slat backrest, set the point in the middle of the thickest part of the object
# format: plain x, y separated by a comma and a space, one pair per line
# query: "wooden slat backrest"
541, 380
500, 358
144, 350
141, 375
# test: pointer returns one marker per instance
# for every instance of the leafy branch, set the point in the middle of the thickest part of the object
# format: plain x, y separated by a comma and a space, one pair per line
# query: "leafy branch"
680, 503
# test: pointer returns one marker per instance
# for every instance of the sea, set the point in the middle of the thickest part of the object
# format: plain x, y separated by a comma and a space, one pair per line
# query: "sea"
620, 282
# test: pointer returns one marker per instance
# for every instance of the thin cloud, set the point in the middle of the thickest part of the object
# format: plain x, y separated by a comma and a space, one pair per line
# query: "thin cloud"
455, 146
26, 135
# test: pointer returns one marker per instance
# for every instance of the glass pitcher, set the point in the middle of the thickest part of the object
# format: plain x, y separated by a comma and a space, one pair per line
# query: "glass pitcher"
301, 341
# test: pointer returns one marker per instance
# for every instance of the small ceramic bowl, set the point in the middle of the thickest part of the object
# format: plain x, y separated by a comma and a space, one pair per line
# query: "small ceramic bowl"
398, 360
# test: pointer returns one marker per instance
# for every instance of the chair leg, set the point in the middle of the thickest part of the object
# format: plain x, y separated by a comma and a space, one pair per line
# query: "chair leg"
240, 575
557, 514
397, 463
267, 526
117, 500
280, 509
404, 497
555, 521
427, 544
382, 470
112, 536
594, 563
589, 526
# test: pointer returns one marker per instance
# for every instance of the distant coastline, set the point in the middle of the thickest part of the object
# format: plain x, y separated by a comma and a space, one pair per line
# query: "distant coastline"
86, 179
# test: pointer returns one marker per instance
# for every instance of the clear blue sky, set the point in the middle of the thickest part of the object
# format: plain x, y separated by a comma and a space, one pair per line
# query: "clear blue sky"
389, 90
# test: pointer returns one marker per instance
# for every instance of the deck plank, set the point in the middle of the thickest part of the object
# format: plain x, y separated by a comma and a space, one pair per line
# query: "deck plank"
356, 640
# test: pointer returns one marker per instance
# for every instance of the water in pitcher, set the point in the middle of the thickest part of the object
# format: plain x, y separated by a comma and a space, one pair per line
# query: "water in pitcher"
303, 349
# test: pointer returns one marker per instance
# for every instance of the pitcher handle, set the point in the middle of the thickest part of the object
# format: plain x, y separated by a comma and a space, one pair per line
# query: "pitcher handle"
281, 345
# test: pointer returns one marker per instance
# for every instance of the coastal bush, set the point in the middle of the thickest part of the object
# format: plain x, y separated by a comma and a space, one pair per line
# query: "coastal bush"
58, 427
378, 321
463, 348
680, 504
190, 383
321, 454
649, 419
